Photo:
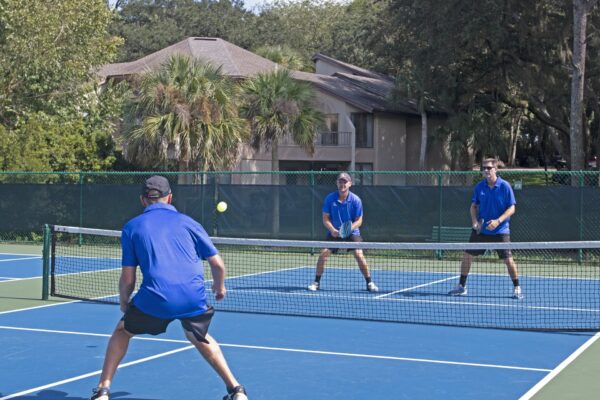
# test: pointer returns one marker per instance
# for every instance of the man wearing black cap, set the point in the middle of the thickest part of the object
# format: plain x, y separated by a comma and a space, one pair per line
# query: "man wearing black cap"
339, 207
169, 248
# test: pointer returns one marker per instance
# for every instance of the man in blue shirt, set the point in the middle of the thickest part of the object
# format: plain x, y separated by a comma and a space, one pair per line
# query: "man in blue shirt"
339, 207
492, 206
169, 247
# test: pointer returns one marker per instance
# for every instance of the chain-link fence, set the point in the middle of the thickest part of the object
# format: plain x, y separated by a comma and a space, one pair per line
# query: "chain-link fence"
398, 206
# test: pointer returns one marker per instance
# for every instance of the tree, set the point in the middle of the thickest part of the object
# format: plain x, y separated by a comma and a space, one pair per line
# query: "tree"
151, 25
285, 57
48, 51
184, 116
276, 106
581, 9
51, 113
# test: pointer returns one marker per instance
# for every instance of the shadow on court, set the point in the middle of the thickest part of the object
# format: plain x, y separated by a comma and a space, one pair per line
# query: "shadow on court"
58, 395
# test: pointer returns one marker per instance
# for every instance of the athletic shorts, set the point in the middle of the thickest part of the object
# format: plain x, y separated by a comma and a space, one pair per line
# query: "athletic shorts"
501, 238
137, 322
351, 238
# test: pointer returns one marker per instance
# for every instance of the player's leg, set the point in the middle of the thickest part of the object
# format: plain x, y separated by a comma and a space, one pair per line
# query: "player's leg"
196, 331
511, 266
117, 347
323, 257
359, 256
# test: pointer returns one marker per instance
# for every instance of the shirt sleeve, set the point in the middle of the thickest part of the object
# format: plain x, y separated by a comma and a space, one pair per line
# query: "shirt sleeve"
327, 205
510, 196
128, 258
475, 198
358, 209
204, 246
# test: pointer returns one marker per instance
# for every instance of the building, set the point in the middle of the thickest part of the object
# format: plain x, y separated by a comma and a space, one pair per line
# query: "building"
363, 131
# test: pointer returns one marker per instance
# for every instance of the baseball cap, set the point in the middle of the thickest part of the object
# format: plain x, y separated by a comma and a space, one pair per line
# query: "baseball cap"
345, 176
156, 187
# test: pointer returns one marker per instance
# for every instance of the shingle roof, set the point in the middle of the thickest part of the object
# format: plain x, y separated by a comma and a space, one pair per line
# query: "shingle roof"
233, 60
366, 90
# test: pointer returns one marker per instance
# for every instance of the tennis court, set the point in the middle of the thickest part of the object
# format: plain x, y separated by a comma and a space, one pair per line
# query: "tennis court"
54, 349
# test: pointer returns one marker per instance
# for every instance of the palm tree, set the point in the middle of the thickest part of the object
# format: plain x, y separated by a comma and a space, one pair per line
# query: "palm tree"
185, 115
276, 105
286, 57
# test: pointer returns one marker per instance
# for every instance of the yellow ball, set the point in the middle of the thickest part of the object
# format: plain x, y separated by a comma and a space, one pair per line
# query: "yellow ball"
222, 206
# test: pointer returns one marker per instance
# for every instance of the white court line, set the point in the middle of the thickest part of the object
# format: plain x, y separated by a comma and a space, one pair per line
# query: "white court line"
415, 287
20, 259
533, 391
291, 350
80, 377
11, 279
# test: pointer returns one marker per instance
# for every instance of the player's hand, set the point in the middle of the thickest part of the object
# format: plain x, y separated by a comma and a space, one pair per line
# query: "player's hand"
493, 224
219, 292
124, 307
335, 233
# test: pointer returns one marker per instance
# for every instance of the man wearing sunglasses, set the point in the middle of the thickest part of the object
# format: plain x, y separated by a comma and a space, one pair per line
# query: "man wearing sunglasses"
492, 205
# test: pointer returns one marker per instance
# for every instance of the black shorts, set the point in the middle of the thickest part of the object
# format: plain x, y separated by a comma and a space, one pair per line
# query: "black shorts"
137, 322
501, 238
351, 238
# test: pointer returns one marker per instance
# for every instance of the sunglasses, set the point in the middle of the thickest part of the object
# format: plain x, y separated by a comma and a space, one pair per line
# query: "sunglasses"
486, 168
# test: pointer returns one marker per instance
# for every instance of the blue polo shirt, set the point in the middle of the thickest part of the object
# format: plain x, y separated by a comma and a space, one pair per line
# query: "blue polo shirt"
493, 202
340, 212
169, 248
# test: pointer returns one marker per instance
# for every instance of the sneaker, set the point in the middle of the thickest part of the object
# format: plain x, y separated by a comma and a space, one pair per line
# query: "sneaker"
517, 294
313, 287
372, 287
100, 393
459, 290
237, 393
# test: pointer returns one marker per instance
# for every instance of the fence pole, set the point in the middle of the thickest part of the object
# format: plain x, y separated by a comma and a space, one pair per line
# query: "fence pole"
80, 206
581, 186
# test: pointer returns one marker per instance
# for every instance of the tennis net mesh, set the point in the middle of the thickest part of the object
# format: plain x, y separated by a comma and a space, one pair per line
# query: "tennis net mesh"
560, 280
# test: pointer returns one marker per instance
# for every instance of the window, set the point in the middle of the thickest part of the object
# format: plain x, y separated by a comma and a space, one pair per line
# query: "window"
329, 136
363, 179
363, 123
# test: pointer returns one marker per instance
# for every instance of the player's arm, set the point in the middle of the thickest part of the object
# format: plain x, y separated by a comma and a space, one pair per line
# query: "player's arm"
474, 211
126, 286
493, 224
329, 226
217, 267
357, 223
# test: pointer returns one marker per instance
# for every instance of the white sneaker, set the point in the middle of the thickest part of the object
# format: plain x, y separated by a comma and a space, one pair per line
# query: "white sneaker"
459, 290
313, 287
238, 393
372, 287
517, 294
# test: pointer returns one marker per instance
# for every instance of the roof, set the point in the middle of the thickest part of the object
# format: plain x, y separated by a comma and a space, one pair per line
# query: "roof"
366, 90
233, 60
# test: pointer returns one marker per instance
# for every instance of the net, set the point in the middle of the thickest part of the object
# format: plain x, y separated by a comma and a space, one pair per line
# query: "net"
560, 280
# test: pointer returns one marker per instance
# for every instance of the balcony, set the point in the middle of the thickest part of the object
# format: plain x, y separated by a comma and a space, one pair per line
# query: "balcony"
323, 139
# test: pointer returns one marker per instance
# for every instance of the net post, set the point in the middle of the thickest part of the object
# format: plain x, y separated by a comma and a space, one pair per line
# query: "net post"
46, 261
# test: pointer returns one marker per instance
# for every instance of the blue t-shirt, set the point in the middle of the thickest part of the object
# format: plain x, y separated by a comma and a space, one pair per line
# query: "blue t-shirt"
492, 203
169, 248
340, 212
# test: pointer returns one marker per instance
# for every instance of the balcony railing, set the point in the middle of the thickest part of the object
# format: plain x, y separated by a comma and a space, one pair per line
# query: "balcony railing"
323, 139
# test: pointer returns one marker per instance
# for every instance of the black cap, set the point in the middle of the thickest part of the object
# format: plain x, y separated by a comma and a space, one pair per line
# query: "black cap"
345, 176
156, 187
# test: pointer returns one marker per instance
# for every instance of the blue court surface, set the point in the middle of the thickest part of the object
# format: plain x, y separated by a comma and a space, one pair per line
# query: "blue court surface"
55, 352
19, 266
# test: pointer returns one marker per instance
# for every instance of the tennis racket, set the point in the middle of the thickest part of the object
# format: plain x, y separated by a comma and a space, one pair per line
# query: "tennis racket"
346, 229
